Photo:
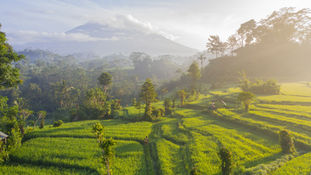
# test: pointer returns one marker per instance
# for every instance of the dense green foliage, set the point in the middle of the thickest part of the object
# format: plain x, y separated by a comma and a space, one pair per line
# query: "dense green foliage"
12, 118
60, 85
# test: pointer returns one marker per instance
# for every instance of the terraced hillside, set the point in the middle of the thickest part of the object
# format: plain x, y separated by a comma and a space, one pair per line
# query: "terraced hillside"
191, 138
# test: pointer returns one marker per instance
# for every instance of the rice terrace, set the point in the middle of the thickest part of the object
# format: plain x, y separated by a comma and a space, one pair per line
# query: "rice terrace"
119, 96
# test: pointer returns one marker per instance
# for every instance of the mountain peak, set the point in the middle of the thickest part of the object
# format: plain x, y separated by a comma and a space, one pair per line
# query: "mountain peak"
124, 35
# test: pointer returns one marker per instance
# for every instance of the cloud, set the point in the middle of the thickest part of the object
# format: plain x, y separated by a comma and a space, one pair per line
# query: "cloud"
24, 37
151, 28
130, 23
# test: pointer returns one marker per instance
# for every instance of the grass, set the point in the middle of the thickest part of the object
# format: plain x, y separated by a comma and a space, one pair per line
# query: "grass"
245, 146
169, 157
191, 138
298, 166
72, 149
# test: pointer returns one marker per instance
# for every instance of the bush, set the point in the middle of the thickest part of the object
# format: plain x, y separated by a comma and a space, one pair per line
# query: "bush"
157, 112
194, 171
4, 155
287, 142
246, 98
226, 161
269, 87
57, 123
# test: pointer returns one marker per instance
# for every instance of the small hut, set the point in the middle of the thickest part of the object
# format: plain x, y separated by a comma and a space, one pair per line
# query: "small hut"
3, 137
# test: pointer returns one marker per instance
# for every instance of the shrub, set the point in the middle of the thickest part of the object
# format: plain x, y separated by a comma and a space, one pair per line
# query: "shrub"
287, 142
3, 153
57, 123
157, 112
98, 129
194, 171
246, 98
226, 161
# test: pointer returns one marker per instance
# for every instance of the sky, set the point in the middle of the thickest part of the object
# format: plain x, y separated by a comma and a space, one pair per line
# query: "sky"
188, 22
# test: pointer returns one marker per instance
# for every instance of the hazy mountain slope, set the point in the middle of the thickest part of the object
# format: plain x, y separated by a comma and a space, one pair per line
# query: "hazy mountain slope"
102, 39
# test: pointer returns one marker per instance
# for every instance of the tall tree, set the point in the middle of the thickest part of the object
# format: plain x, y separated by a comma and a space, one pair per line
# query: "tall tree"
182, 97
105, 80
232, 43
9, 74
65, 94
42, 122
168, 106
148, 95
202, 58
285, 25
24, 114
9, 77
41, 116
194, 73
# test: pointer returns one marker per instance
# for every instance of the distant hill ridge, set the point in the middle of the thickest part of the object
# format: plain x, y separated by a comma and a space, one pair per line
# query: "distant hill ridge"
283, 62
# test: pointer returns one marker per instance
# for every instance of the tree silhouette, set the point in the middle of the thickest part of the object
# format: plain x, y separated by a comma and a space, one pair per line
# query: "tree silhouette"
232, 43
246, 32
215, 46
